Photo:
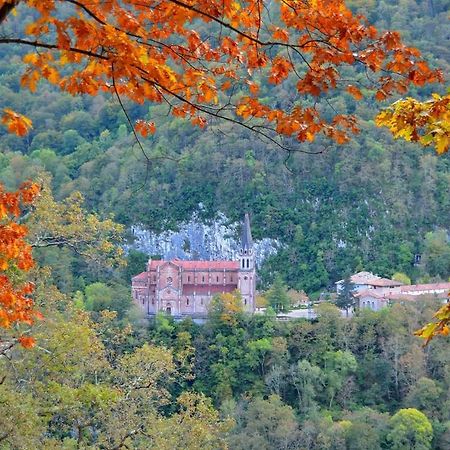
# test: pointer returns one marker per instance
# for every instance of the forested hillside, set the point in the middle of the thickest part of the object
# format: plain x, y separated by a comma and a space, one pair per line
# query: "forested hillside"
238, 382
367, 204
82, 368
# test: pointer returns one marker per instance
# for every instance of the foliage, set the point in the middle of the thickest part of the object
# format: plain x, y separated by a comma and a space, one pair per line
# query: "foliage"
16, 305
426, 122
278, 297
226, 308
402, 277
67, 224
440, 327
345, 298
130, 51
410, 429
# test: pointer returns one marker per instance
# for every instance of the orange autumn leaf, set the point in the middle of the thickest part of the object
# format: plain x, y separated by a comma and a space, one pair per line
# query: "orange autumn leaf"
145, 128
16, 304
16, 123
27, 341
353, 90
157, 51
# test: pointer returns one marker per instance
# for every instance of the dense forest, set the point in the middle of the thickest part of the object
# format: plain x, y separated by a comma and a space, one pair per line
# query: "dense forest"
237, 382
101, 376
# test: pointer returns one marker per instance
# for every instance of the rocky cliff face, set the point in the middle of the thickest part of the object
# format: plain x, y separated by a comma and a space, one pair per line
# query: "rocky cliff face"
196, 240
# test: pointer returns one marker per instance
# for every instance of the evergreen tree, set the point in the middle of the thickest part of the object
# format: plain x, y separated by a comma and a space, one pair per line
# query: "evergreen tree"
345, 298
278, 297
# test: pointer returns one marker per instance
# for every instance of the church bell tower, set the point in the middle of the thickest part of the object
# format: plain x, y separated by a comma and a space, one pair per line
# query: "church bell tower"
247, 273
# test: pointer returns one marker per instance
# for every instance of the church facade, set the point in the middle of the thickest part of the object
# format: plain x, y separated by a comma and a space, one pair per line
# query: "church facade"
185, 288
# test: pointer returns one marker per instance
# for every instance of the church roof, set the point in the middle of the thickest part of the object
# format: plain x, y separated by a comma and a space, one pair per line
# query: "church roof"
141, 277
247, 240
197, 265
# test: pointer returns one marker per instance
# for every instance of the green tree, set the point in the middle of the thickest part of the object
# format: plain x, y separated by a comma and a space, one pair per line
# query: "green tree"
257, 354
265, 425
426, 396
278, 297
345, 298
99, 296
402, 277
136, 263
307, 380
410, 429
339, 365
436, 254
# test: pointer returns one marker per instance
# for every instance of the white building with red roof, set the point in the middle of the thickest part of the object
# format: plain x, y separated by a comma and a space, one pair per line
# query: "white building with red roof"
185, 288
367, 280
374, 292
380, 298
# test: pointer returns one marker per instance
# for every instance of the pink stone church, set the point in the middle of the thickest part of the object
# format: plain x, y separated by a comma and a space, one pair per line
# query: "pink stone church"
185, 288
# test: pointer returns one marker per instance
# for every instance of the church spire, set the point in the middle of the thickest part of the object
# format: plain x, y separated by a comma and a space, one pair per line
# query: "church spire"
247, 241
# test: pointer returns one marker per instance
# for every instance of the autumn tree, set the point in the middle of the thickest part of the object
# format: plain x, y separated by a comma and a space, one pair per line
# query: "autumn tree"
16, 305
67, 224
426, 122
159, 51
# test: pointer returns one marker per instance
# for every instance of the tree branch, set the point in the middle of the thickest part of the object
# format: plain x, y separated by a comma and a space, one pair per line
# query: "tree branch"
7, 8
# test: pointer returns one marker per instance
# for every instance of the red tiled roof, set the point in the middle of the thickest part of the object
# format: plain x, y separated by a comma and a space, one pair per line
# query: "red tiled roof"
141, 277
399, 296
425, 287
198, 265
384, 282
370, 293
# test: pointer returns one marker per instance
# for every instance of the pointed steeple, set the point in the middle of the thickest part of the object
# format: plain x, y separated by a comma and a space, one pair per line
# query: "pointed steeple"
247, 241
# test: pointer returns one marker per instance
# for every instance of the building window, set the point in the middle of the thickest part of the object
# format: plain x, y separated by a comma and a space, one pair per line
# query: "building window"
245, 301
243, 264
248, 263
203, 279
217, 279
153, 301
201, 301
231, 278
169, 280
187, 302
189, 279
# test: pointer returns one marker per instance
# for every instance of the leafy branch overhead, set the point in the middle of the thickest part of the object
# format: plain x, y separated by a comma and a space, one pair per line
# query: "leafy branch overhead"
67, 224
159, 51
424, 122
440, 327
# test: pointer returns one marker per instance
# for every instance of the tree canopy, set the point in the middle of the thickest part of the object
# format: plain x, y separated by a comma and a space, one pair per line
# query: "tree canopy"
159, 52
